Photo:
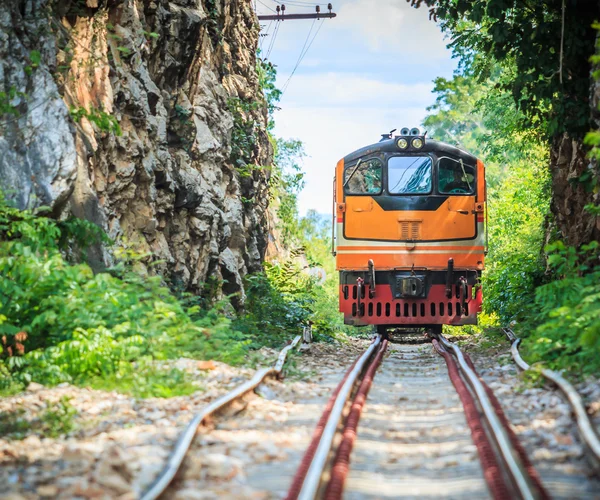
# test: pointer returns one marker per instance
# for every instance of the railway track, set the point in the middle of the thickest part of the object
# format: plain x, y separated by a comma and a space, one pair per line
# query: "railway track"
504, 465
431, 427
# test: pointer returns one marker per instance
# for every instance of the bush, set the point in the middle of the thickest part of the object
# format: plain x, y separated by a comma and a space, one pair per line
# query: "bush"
60, 322
565, 318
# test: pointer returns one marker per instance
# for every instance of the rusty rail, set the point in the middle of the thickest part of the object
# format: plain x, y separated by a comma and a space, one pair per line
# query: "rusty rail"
307, 481
341, 464
523, 483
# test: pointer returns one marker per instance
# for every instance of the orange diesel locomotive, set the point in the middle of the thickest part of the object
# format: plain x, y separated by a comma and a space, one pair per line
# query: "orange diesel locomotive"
409, 233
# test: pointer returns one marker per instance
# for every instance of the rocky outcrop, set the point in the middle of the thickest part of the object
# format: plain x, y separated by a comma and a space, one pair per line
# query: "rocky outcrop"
147, 118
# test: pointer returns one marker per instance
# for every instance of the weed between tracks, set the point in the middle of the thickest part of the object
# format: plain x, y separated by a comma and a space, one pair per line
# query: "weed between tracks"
56, 419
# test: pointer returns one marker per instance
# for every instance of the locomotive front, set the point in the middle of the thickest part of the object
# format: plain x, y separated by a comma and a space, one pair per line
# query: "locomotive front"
409, 233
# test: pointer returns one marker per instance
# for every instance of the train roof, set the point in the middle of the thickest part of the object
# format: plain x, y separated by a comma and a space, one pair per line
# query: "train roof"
430, 146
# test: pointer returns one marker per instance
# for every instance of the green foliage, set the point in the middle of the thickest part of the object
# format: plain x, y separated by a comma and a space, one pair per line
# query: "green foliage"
515, 265
278, 304
57, 418
103, 120
35, 58
286, 182
245, 131
60, 322
267, 75
6, 108
550, 86
565, 318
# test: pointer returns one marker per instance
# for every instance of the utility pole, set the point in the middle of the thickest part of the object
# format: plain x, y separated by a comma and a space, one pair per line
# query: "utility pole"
281, 15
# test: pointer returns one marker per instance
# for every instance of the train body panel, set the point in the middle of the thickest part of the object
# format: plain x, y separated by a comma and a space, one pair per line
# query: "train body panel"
411, 223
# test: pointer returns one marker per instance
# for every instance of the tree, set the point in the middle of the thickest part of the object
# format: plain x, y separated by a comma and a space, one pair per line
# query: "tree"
545, 48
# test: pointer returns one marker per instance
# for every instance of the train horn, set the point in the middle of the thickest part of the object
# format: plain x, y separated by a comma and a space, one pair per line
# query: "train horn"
405, 131
415, 131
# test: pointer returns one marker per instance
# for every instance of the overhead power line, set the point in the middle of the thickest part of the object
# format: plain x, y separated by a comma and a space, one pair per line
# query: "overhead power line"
301, 57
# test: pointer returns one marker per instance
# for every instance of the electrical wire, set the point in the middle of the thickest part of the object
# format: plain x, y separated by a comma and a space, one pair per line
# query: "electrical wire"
304, 46
265, 5
302, 54
264, 36
273, 38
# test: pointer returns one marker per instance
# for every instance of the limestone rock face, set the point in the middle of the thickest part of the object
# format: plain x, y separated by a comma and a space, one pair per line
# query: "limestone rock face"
125, 112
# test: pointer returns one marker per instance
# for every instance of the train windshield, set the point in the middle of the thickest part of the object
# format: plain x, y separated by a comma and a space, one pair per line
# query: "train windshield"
455, 177
364, 177
409, 174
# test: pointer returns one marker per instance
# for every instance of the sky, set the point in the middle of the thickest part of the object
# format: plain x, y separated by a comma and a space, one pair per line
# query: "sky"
369, 70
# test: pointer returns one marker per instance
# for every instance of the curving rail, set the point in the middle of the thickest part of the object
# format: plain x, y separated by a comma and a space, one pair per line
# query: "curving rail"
584, 424
160, 484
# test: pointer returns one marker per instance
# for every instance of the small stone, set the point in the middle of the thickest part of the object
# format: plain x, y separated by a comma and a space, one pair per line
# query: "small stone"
266, 392
34, 387
47, 490
206, 365
194, 494
222, 466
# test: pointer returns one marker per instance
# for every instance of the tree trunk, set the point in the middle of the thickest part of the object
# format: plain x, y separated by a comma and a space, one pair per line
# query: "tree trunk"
568, 161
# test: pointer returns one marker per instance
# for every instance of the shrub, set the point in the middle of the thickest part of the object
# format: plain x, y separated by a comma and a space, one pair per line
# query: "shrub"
565, 318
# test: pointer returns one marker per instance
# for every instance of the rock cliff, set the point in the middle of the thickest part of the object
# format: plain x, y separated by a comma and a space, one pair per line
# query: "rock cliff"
146, 117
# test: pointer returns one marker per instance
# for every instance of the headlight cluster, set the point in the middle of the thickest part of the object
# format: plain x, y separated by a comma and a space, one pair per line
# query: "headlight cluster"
416, 143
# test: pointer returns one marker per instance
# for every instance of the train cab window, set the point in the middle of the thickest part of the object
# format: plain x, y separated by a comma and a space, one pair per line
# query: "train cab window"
364, 179
409, 174
455, 177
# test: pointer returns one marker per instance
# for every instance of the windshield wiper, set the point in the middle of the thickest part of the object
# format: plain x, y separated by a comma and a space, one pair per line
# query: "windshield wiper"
465, 174
353, 172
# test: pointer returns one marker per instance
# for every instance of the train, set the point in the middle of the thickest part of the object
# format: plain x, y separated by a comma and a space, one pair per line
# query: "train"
409, 234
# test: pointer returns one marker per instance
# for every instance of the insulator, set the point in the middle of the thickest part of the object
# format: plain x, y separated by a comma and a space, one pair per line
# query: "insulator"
318, 9
282, 8
277, 9
329, 6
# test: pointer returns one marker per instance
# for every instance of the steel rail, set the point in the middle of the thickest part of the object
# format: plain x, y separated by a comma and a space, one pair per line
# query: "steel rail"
312, 480
160, 484
341, 463
515, 468
491, 467
584, 424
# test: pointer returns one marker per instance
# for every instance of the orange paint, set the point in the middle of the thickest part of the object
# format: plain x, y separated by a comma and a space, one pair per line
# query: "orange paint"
365, 219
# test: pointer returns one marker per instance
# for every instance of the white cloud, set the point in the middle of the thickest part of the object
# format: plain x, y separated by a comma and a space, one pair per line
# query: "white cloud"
347, 89
394, 25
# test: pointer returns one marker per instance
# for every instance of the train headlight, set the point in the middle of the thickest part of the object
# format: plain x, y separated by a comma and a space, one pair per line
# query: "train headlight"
417, 143
402, 143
